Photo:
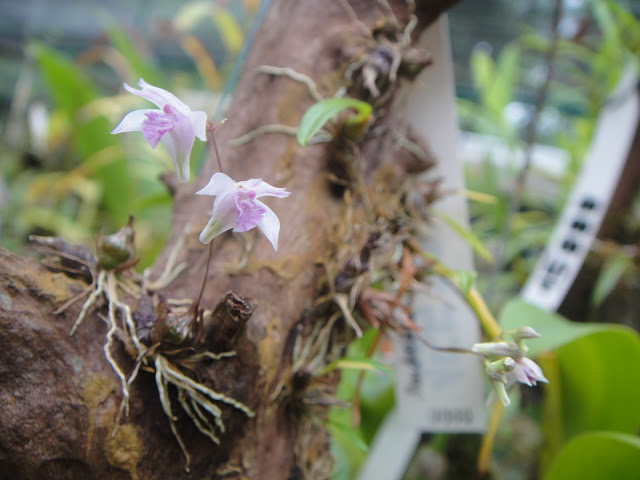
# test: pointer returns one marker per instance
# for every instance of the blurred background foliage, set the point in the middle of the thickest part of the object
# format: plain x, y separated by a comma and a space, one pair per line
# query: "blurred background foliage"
61, 171
531, 79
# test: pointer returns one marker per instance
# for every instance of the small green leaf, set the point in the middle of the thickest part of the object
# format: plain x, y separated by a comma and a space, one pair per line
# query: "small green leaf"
482, 71
612, 271
467, 234
598, 455
506, 79
465, 279
229, 29
320, 113
190, 14
365, 364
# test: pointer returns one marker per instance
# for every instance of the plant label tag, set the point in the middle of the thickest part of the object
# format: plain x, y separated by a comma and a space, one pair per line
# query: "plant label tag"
435, 391
589, 200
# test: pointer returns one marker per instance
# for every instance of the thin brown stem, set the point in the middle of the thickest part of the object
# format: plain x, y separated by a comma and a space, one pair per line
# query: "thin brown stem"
211, 131
204, 280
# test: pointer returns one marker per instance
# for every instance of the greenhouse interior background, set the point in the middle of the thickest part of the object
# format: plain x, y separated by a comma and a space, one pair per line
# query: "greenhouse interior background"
533, 81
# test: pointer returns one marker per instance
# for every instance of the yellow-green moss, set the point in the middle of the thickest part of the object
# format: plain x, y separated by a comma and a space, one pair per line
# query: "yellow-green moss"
95, 390
124, 449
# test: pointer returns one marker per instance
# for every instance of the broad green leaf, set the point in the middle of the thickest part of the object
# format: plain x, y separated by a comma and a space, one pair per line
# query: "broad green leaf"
595, 385
376, 401
467, 234
556, 330
601, 382
347, 448
552, 428
71, 91
320, 113
67, 84
597, 456
610, 275
346, 432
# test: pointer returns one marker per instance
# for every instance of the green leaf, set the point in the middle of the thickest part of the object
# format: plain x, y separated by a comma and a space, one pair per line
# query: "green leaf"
67, 84
601, 382
190, 14
346, 439
91, 138
610, 275
506, 79
347, 448
139, 64
467, 234
482, 71
320, 113
465, 280
556, 330
595, 383
230, 31
596, 456
346, 432
363, 364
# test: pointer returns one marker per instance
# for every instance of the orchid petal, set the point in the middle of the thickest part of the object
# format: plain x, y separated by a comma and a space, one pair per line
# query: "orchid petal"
156, 125
199, 122
218, 184
223, 218
522, 377
249, 210
263, 188
533, 370
179, 141
132, 121
270, 225
158, 96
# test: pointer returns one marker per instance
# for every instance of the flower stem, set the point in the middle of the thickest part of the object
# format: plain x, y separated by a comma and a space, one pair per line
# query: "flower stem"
487, 440
206, 274
211, 131
471, 295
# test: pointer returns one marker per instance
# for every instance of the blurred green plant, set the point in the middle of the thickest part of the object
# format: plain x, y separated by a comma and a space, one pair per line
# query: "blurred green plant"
63, 173
587, 67
593, 386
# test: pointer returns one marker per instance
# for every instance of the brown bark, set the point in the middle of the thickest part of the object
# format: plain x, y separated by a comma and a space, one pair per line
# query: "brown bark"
60, 397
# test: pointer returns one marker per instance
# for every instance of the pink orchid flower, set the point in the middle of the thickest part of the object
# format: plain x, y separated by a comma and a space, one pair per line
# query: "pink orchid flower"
236, 207
174, 124
527, 371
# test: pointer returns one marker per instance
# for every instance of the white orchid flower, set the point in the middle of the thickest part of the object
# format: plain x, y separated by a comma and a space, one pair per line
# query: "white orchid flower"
236, 207
173, 124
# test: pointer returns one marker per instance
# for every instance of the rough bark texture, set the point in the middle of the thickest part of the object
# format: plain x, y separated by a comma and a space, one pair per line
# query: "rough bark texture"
60, 397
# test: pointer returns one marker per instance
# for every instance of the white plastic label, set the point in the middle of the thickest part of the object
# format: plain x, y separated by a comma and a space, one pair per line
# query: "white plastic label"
562, 259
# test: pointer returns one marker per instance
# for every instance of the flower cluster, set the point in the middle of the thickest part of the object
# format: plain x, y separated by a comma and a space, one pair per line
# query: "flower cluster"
506, 362
177, 126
